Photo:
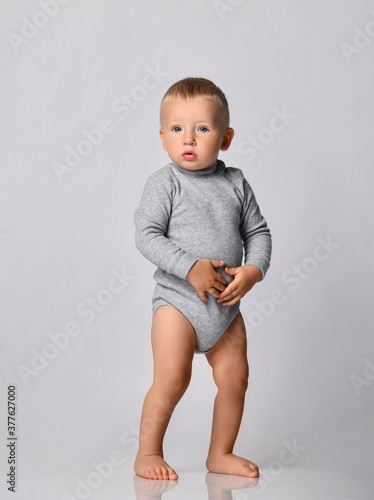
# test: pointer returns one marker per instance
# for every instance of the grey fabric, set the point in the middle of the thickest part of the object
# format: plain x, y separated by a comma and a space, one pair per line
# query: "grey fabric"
187, 215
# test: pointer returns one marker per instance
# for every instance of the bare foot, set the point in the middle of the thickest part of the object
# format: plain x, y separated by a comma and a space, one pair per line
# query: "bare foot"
231, 464
153, 467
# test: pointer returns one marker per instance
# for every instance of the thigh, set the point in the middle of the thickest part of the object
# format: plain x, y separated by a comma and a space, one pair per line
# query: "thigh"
173, 341
229, 354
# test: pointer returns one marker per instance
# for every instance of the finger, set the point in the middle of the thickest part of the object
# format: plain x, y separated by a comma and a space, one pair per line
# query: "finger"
214, 292
217, 263
219, 286
229, 296
227, 292
221, 279
231, 302
231, 270
203, 296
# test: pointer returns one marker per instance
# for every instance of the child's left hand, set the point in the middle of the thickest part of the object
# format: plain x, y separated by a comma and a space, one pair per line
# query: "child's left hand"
245, 277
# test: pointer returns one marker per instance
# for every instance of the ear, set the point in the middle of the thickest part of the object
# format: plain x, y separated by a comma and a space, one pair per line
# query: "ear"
163, 140
227, 138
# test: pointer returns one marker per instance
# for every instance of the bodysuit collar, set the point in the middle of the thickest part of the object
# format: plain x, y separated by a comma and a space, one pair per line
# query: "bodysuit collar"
212, 169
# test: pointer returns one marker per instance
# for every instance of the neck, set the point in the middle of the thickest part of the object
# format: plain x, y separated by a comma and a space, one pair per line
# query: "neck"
202, 171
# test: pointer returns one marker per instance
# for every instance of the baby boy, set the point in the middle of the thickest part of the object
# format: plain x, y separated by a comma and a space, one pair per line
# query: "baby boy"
194, 219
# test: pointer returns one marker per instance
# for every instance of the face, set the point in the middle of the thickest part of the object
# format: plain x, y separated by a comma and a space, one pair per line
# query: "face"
192, 131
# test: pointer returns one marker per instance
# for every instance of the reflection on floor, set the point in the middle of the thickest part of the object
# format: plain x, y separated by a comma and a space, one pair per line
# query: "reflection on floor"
288, 483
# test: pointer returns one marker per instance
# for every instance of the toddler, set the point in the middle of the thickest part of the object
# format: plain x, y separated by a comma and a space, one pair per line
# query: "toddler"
194, 218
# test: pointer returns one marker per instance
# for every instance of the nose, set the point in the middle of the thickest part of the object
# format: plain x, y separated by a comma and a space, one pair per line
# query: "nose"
189, 137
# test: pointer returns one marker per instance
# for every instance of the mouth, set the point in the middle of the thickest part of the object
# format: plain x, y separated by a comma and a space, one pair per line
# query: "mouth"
189, 155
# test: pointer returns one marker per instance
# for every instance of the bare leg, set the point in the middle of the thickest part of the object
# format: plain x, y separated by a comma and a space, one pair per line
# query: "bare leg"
173, 344
228, 358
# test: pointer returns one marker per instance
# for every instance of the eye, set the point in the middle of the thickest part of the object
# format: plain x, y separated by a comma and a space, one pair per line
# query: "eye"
203, 129
176, 129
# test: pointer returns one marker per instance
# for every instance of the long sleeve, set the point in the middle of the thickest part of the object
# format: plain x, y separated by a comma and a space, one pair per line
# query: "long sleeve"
151, 222
255, 233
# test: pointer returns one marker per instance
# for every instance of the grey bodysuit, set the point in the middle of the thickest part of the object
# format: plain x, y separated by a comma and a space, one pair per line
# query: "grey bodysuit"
187, 215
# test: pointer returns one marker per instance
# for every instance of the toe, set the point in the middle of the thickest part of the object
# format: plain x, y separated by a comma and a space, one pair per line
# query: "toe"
159, 472
253, 471
151, 473
172, 474
165, 474
253, 466
248, 471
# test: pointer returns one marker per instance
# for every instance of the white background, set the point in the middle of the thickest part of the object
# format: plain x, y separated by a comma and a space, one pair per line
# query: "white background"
63, 236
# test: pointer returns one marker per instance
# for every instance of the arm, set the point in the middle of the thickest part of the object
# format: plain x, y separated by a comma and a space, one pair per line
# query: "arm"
151, 220
255, 233
257, 243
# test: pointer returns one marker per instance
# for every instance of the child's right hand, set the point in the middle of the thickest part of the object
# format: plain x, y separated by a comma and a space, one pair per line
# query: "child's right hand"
204, 278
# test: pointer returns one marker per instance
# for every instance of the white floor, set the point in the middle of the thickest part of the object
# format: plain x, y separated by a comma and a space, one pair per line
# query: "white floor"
290, 483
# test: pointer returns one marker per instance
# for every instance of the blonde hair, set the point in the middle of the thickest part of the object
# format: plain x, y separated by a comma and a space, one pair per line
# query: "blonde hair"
199, 87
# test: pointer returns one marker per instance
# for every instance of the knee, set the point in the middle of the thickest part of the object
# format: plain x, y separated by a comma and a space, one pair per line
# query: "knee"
232, 378
173, 383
